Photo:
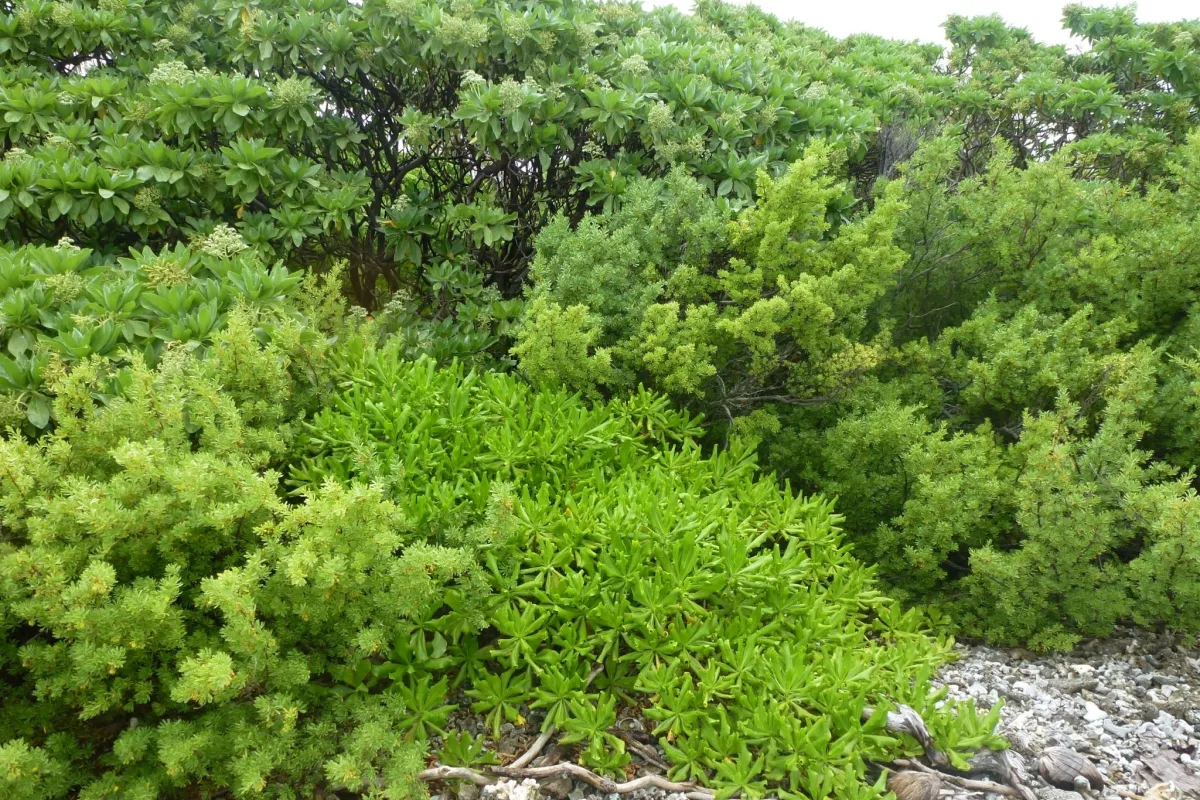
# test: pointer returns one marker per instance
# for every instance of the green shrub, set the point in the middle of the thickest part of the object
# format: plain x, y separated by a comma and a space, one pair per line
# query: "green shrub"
169, 622
172, 625
726, 609
729, 316
1020, 456
62, 305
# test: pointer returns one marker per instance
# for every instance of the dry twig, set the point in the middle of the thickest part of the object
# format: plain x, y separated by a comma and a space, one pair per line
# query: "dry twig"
600, 782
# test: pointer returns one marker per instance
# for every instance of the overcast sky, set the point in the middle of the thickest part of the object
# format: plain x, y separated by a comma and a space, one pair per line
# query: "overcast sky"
922, 19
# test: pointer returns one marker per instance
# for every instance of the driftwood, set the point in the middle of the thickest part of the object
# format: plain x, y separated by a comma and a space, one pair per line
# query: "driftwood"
548, 734
905, 720
1007, 766
1162, 768
965, 783
442, 773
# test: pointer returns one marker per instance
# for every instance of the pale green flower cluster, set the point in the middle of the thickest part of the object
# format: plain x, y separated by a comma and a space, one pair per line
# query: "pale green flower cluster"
692, 147
65, 285
512, 95
138, 111
166, 272
816, 91
592, 149
635, 65
294, 92
399, 204
147, 199
471, 78
26, 20
767, 116
515, 27
546, 41
67, 245
224, 241
660, 118
179, 34
466, 32
62, 15
171, 73
249, 24
419, 132
55, 140
403, 10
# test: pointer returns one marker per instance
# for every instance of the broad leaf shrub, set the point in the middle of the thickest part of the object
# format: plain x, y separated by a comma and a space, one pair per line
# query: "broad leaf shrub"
724, 610
61, 305
407, 133
146, 144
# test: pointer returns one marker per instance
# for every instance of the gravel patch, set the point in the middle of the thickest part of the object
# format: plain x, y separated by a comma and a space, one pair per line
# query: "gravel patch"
1131, 704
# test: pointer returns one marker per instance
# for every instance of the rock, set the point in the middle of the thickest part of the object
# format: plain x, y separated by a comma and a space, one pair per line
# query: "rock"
511, 790
1094, 712
1074, 685
1162, 791
1024, 689
1119, 731
1051, 793
559, 786
1164, 680
467, 791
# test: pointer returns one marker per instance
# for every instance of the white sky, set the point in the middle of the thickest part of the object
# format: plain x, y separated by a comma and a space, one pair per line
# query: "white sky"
922, 19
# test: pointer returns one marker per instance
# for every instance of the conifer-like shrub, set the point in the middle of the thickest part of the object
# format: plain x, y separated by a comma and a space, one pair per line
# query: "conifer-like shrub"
995, 376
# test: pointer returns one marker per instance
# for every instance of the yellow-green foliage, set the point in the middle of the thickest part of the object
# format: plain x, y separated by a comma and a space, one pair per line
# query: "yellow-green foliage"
728, 317
1020, 456
173, 624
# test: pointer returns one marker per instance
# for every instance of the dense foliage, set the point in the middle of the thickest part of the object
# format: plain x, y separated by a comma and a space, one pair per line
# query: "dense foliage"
996, 374
62, 305
606, 263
